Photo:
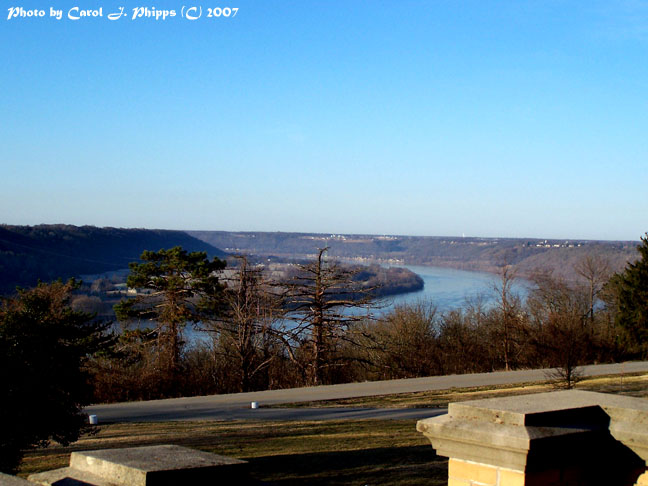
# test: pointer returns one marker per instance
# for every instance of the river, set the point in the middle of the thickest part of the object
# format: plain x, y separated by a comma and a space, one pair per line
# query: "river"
448, 288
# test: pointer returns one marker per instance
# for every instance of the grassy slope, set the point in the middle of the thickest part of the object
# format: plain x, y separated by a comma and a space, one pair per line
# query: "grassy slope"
335, 453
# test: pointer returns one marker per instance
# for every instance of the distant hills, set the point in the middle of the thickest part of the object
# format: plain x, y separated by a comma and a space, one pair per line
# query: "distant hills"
484, 254
49, 252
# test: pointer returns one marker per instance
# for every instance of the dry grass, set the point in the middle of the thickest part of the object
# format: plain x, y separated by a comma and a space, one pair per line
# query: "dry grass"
366, 452
635, 385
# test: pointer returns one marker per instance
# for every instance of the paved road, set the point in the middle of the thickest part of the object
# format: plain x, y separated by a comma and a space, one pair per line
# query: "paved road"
273, 414
236, 405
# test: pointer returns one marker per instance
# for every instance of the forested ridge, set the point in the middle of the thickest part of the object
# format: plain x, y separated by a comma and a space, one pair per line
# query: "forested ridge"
49, 252
467, 253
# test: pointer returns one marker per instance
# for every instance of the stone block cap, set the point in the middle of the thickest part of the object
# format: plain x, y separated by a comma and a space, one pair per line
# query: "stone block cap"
162, 465
155, 458
550, 409
7, 480
156, 465
504, 431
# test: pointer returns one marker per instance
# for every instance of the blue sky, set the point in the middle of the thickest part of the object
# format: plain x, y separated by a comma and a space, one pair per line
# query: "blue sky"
484, 118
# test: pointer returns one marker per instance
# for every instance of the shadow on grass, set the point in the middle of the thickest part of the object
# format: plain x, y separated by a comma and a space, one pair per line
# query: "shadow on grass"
337, 453
402, 466
414, 465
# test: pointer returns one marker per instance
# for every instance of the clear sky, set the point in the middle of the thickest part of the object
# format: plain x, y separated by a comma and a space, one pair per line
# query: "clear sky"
484, 118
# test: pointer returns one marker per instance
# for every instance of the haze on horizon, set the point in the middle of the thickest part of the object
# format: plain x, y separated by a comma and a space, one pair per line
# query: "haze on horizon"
483, 118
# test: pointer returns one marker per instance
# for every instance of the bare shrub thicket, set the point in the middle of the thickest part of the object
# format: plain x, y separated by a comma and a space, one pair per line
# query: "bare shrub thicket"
403, 344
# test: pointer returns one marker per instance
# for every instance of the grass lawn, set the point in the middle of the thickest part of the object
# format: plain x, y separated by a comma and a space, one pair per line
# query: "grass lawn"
367, 452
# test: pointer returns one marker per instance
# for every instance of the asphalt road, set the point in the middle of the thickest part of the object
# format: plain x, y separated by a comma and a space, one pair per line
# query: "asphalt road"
272, 414
237, 405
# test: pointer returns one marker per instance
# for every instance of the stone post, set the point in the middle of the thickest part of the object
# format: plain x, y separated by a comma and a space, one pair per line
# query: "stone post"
566, 438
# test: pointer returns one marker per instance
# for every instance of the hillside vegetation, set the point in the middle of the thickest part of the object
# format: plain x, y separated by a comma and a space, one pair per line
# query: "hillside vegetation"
49, 252
485, 254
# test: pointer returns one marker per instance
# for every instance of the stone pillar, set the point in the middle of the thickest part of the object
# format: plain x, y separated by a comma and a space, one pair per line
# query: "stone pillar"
566, 438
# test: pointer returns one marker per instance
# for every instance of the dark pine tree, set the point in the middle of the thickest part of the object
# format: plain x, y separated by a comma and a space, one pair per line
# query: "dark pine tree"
631, 290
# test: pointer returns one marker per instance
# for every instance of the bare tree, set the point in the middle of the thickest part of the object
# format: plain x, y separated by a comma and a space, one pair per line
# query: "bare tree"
244, 323
323, 301
464, 336
596, 271
560, 334
508, 325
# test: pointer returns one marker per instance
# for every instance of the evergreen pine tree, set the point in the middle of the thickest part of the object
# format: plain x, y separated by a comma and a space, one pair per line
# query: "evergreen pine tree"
631, 290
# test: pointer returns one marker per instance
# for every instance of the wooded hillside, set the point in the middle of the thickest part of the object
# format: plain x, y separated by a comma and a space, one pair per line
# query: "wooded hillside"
485, 254
49, 252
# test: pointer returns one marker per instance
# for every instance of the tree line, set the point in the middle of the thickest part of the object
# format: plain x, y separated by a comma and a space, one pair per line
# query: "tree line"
317, 327
320, 327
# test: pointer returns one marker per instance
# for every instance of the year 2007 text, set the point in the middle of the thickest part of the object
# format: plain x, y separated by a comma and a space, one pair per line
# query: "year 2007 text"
222, 12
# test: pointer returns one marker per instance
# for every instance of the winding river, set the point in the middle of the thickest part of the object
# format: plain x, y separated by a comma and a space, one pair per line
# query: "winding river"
448, 288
